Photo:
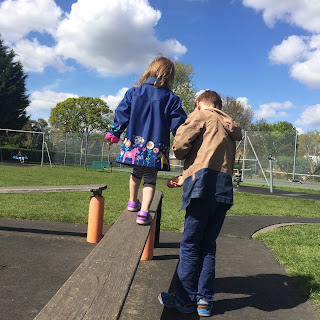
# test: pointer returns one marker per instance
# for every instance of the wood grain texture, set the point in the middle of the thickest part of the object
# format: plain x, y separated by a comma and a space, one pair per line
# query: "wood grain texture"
99, 287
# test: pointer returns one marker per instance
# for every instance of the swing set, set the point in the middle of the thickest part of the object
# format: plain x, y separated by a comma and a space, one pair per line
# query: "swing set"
23, 156
241, 162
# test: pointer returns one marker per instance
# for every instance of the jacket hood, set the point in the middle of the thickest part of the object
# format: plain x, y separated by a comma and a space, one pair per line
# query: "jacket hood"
231, 127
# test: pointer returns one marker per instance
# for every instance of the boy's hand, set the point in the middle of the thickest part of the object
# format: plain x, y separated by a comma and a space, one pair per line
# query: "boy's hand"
175, 182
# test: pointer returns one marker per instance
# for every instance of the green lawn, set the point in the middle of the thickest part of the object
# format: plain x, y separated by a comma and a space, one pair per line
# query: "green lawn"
73, 207
296, 247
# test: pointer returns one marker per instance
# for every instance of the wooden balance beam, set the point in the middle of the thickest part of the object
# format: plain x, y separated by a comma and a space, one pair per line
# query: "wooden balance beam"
99, 287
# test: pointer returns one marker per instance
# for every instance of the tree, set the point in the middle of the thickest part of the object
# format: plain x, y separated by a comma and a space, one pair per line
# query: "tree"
277, 138
238, 112
183, 85
13, 98
260, 125
282, 126
309, 146
29, 140
81, 115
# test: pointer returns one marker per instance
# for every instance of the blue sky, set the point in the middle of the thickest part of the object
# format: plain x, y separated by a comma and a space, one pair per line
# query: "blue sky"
266, 53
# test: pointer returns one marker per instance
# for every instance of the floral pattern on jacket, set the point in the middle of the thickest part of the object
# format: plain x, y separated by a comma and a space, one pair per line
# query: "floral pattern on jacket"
144, 153
148, 114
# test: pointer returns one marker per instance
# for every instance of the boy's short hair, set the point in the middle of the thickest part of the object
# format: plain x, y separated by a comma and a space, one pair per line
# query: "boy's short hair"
211, 98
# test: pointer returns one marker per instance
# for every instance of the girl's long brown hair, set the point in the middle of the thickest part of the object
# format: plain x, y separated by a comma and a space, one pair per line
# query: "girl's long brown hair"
163, 69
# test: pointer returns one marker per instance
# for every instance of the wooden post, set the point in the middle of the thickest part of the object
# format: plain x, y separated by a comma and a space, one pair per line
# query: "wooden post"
95, 219
158, 223
147, 253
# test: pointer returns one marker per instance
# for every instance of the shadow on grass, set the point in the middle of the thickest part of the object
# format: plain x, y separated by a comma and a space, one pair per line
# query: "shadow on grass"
266, 292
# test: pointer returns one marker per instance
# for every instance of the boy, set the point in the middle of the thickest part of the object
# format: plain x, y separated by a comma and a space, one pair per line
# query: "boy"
207, 142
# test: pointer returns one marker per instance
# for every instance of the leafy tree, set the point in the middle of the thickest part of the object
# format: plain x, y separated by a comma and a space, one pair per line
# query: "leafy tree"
29, 140
35, 140
282, 126
183, 85
81, 115
13, 98
309, 146
260, 125
277, 138
38, 126
238, 112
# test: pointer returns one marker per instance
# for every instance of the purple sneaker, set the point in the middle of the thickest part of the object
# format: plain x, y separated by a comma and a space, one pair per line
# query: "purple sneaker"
143, 218
134, 206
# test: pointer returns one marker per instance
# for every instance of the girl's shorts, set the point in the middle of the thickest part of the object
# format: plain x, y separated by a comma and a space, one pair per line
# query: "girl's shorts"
149, 175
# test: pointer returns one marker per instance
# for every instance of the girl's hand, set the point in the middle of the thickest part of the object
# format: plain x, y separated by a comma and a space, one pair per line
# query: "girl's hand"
109, 142
175, 182
111, 139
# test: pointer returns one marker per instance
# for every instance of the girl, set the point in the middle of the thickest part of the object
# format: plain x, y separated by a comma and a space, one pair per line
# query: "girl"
148, 111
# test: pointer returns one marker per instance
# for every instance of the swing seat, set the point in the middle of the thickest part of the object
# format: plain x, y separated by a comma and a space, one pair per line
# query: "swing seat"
18, 158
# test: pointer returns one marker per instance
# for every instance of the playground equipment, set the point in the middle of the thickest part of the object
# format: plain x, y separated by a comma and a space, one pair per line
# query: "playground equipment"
245, 140
43, 145
99, 287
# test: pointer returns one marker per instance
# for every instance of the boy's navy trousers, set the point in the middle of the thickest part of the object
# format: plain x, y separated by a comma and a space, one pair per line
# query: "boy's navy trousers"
196, 269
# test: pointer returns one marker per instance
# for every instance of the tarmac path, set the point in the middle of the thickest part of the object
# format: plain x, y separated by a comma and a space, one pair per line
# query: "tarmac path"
37, 257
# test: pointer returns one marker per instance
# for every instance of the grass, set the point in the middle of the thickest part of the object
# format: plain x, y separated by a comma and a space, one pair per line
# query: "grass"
297, 248
73, 206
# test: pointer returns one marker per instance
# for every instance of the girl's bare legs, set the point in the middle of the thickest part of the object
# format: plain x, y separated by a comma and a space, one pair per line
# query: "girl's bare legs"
148, 193
134, 185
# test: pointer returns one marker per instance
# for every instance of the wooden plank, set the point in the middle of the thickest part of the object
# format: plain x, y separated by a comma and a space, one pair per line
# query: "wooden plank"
98, 288
41, 189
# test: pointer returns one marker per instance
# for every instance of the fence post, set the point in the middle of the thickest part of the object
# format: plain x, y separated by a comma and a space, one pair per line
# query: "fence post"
157, 233
270, 157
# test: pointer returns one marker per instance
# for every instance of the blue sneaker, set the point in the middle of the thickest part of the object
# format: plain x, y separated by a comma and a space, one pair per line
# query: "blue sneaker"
170, 300
204, 308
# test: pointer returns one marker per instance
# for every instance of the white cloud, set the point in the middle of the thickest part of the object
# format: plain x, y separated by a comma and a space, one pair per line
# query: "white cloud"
308, 72
244, 102
18, 18
310, 118
301, 53
37, 57
199, 92
113, 101
289, 51
302, 13
300, 130
273, 110
43, 101
115, 37
112, 37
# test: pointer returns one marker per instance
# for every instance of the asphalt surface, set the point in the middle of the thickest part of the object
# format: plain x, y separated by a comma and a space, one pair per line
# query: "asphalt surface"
37, 257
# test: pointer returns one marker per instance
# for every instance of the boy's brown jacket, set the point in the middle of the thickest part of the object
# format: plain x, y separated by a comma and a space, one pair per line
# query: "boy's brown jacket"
207, 140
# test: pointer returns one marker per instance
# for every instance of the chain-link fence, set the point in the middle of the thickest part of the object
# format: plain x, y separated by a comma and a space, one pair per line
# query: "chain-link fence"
281, 151
290, 162
82, 150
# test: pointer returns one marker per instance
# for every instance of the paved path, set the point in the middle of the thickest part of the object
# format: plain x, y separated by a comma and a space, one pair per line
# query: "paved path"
37, 257
277, 192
